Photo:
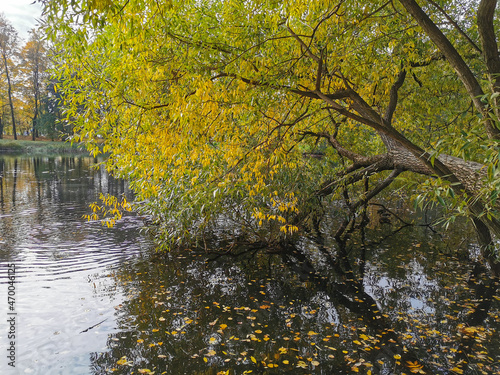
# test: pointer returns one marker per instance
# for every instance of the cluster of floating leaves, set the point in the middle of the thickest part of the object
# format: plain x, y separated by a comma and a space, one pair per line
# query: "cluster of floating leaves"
206, 326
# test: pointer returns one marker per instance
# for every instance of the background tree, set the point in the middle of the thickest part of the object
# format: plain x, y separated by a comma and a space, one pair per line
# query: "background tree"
214, 109
34, 64
52, 122
8, 49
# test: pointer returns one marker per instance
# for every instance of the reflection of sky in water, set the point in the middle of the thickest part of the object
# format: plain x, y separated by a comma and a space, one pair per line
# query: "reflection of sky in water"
63, 264
413, 292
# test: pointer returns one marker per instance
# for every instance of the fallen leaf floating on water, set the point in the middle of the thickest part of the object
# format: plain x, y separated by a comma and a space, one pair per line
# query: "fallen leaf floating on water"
283, 350
124, 362
415, 367
145, 371
302, 364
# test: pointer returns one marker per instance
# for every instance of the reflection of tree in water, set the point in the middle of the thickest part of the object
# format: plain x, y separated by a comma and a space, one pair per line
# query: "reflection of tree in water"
2, 168
314, 308
60, 187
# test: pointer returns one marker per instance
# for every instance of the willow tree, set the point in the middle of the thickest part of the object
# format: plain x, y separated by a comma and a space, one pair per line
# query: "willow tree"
218, 108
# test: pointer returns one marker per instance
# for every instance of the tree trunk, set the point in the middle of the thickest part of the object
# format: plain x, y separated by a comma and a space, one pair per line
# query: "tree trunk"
10, 97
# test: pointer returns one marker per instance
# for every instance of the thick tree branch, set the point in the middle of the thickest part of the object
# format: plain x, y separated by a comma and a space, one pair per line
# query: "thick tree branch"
393, 98
353, 156
455, 59
380, 126
485, 14
340, 94
486, 29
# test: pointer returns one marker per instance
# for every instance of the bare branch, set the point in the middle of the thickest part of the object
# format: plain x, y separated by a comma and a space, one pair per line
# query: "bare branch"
378, 189
383, 164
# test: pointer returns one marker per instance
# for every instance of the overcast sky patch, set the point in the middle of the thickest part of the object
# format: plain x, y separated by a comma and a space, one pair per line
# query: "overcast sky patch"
23, 14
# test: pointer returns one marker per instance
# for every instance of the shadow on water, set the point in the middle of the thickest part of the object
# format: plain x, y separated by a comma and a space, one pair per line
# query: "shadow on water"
388, 300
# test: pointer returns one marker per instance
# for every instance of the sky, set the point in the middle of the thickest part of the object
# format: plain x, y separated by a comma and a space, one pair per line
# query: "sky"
22, 14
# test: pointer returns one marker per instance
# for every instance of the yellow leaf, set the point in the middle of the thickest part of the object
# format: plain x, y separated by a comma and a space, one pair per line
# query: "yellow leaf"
253, 359
302, 364
122, 361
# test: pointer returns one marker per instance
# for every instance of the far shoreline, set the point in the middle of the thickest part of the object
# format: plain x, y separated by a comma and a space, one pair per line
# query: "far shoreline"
24, 145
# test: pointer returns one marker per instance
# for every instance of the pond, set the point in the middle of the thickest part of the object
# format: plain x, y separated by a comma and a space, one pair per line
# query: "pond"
394, 299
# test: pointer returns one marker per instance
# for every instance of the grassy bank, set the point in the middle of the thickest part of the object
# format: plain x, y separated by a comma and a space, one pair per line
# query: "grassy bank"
22, 146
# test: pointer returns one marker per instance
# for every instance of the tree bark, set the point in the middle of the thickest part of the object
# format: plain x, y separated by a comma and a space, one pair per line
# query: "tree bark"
485, 14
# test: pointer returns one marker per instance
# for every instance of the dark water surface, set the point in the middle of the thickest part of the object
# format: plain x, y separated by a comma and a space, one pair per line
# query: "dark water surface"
395, 299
